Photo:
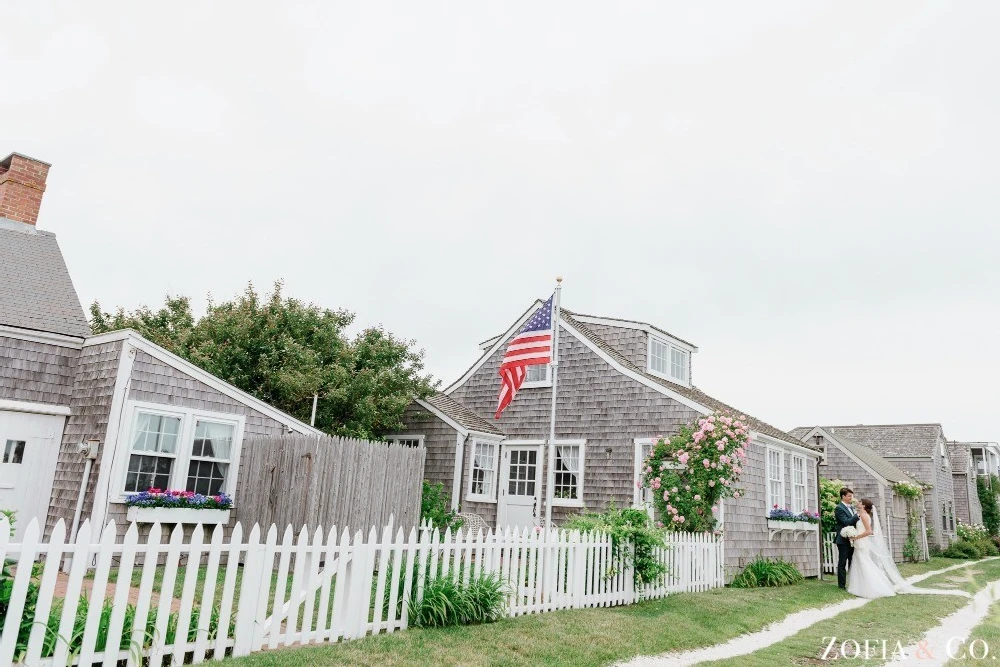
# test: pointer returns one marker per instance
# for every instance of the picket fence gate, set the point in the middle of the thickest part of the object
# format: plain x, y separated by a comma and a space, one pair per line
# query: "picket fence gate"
259, 591
829, 553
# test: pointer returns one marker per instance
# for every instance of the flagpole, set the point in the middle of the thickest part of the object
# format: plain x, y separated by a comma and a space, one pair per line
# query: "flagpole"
550, 476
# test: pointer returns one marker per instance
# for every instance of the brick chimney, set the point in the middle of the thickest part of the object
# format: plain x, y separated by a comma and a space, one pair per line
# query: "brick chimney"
22, 184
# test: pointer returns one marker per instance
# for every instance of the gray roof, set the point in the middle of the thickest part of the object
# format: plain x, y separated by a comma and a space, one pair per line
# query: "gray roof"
867, 455
893, 440
463, 415
640, 322
693, 393
36, 291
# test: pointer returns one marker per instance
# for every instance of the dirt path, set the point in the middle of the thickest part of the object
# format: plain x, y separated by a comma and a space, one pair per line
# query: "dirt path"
771, 634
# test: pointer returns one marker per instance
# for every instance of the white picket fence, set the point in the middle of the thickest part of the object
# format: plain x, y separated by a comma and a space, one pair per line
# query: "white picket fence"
829, 553
259, 591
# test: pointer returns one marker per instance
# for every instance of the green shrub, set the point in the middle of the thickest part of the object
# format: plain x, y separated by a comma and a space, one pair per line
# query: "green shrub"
633, 537
911, 549
991, 510
434, 508
829, 496
987, 548
963, 549
762, 572
448, 601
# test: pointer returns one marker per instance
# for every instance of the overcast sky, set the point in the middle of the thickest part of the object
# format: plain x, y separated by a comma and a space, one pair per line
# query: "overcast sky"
807, 191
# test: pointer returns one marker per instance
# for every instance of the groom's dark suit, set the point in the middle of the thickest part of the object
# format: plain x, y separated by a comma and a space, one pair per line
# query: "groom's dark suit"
845, 517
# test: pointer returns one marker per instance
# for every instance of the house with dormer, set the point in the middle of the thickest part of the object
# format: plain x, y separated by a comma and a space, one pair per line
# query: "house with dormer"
622, 384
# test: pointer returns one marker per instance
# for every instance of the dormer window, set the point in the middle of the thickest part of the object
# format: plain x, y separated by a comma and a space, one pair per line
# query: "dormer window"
669, 360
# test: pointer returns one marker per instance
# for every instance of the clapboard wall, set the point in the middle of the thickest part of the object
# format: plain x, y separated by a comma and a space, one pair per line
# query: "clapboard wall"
303, 480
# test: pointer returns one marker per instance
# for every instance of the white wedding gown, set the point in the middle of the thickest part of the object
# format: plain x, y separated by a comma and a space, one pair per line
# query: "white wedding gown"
874, 574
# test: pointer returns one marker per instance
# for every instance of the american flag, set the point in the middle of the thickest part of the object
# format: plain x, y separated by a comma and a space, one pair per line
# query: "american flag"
530, 347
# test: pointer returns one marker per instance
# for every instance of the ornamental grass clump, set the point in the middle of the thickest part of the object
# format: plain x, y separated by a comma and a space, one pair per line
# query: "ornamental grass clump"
692, 471
447, 601
765, 572
184, 499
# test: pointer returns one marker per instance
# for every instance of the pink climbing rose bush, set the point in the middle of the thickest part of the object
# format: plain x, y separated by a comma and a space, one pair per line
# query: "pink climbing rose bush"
690, 473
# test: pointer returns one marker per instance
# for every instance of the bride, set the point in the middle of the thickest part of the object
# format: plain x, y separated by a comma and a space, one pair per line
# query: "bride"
873, 572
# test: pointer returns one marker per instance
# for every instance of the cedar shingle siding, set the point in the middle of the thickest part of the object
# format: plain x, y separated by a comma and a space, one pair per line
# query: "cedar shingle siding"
609, 410
36, 372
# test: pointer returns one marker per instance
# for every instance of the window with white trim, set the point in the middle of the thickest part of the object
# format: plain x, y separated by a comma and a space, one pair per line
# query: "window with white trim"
483, 470
668, 360
775, 478
798, 484
13, 451
405, 440
642, 495
538, 375
180, 448
567, 488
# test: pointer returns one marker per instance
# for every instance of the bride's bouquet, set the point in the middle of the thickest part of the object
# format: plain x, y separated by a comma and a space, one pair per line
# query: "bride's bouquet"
850, 532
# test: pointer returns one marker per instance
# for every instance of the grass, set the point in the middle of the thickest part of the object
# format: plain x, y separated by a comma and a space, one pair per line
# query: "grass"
589, 636
903, 618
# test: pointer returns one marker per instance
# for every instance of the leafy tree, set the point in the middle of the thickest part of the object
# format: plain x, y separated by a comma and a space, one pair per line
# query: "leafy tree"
829, 496
283, 351
988, 499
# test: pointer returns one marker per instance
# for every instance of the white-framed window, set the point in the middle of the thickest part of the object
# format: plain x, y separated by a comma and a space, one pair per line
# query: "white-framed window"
483, 471
538, 375
775, 478
642, 496
405, 440
13, 451
567, 486
178, 448
668, 360
798, 483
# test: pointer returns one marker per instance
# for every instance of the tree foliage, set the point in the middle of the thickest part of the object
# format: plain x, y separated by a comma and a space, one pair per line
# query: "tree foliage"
988, 499
283, 351
829, 496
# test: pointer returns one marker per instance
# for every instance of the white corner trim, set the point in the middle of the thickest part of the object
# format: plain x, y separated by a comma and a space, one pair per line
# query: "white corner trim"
656, 386
34, 408
109, 448
494, 347
171, 359
456, 482
59, 340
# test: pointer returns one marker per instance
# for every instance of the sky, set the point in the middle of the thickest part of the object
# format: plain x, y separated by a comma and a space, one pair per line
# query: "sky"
806, 191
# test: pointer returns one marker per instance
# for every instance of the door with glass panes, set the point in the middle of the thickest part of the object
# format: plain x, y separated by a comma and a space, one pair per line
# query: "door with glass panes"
520, 485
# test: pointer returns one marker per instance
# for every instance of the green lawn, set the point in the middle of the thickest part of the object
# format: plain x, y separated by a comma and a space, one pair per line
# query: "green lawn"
903, 618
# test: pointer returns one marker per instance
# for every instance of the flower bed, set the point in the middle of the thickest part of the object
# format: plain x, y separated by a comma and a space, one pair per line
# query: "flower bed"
786, 514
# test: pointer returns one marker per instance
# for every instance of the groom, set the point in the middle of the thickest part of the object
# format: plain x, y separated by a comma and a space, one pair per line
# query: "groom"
845, 516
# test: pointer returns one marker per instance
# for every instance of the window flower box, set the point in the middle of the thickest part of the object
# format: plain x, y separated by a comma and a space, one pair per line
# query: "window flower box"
177, 515
794, 529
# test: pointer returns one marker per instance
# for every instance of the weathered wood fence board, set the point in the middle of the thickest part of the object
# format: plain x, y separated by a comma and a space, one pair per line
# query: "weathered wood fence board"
301, 480
311, 587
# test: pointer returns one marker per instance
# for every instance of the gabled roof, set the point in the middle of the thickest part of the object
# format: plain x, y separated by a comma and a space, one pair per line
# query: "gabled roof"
894, 440
601, 319
462, 415
960, 456
692, 393
866, 455
36, 291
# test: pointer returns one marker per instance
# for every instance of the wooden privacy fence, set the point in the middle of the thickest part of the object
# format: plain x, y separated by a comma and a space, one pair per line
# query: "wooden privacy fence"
302, 480
200, 604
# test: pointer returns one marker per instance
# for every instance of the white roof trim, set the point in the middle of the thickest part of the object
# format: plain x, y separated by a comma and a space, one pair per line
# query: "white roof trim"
45, 337
34, 408
641, 326
641, 379
171, 359
493, 348
465, 432
771, 441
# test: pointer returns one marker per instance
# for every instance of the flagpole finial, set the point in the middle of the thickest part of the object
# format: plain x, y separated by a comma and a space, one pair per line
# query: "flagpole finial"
559, 279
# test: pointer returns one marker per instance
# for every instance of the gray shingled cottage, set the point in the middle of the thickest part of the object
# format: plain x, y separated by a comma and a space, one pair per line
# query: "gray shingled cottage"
621, 383
156, 419
871, 476
920, 450
968, 509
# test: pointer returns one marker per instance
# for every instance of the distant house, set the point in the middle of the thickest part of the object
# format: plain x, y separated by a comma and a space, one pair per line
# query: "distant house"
871, 476
156, 420
985, 457
622, 383
968, 509
920, 450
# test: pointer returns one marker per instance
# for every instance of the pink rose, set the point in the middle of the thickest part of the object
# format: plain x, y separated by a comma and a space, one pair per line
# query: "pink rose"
715, 508
721, 446
711, 482
736, 494
705, 462
649, 469
666, 496
687, 488
681, 519
724, 459
697, 496
673, 490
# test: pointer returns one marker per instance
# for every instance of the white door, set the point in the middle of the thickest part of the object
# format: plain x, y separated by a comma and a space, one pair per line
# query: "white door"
29, 449
520, 484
